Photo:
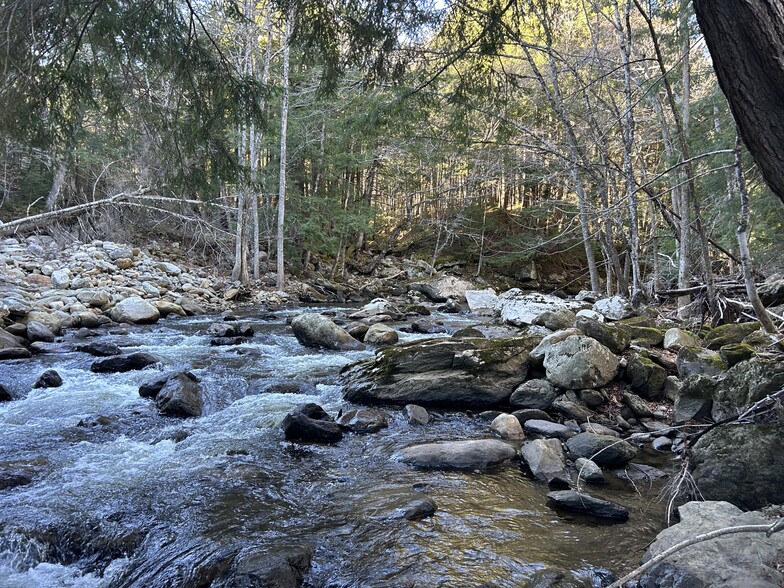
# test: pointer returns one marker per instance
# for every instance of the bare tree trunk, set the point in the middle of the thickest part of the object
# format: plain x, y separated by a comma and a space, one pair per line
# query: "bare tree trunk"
743, 244
284, 114
57, 184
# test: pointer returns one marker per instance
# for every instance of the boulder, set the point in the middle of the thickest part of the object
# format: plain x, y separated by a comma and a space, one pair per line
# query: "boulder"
459, 455
539, 394
637, 405
580, 362
645, 377
61, 279
222, 330
604, 450
416, 414
676, 338
363, 421
556, 320
467, 373
727, 334
379, 334
255, 566
548, 429
694, 360
614, 337
521, 309
583, 503
181, 395
614, 308
37, 331
481, 301
315, 330
645, 336
124, 363
5, 394
588, 471
309, 422
545, 458
93, 298
377, 306
734, 353
100, 348
694, 400
49, 379
590, 314
538, 352
750, 560
571, 408
746, 383
639, 473
443, 288
134, 309
507, 427
14, 353
419, 509
743, 465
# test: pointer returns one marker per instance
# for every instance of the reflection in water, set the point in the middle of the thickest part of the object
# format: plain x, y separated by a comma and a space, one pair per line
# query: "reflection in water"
120, 496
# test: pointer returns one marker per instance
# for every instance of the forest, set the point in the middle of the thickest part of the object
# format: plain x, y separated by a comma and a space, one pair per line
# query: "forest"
586, 135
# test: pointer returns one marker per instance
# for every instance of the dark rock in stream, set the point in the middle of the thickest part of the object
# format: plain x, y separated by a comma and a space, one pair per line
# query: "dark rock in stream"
227, 341
180, 396
125, 363
363, 421
5, 395
585, 504
419, 509
13, 479
100, 349
310, 422
478, 454
255, 567
15, 353
49, 379
604, 450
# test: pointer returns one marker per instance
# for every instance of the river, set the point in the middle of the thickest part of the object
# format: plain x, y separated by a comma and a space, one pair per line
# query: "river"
122, 497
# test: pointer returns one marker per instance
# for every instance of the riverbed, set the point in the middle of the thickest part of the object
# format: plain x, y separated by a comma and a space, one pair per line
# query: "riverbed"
121, 496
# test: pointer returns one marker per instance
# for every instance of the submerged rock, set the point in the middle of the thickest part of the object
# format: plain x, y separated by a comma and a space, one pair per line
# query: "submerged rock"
459, 455
585, 504
124, 363
469, 373
419, 509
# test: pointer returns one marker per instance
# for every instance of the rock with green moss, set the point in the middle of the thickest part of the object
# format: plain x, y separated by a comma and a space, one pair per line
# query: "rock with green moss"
694, 360
646, 336
760, 338
463, 373
745, 384
645, 377
743, 465
468, 333
694, 399
613, 336
736, 352
727, 334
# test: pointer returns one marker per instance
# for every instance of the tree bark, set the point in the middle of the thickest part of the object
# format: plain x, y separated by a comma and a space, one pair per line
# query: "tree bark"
284, 114
746, 41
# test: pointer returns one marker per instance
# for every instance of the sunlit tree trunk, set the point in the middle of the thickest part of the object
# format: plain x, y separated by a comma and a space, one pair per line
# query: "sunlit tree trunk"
284, 115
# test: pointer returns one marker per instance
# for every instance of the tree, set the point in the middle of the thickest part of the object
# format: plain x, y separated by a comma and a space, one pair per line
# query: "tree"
746, 42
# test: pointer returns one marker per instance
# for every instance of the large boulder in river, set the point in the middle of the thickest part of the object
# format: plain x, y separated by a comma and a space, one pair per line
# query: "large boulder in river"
521, 309
746, 383
315, 330
443, 288
604, 450
459, 455
134, 309
124, 363
380, 334
580, 362
743, 465
468, 373
310, 422
181, 395
750, 560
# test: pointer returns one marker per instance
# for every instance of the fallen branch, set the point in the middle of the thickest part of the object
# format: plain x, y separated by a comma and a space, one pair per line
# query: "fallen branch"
767, 529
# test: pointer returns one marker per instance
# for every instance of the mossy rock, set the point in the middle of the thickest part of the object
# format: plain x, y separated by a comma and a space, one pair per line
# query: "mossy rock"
727, 334
645, 377
638, 321
416, 309
613, 336
647, 336
468, 333
695, 360
759, 338
694, 400
736, 352
745, 384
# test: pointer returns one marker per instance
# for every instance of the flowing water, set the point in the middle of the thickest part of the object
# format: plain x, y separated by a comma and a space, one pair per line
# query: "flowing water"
121, 496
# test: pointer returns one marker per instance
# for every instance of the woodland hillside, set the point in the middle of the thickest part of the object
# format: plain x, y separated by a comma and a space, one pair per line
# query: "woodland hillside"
586, 140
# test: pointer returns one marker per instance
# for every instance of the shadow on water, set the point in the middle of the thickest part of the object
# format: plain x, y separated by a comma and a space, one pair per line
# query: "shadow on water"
118, 496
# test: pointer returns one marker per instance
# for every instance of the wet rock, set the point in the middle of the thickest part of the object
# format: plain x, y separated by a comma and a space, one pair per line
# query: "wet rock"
288, 387
580, 362
466, 373
548, 429
614, 308
100, 349
49, 379
222, 330
13, 479
538, 394
639, 473
443, 288
181, 396
615, 337
693, 360
645, 377
14, 353
380, 334
134, 309
676, 338
309, 422
545, 458
585, 504
459, 455
588, 471
507, 427
315, 330
363, 421
604, 450
743, 465
731, 561
227, 341
419, 509
5, 394
416, 414
124, 363
521, 309
256, 567
451, 306
37, 331
728, 334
